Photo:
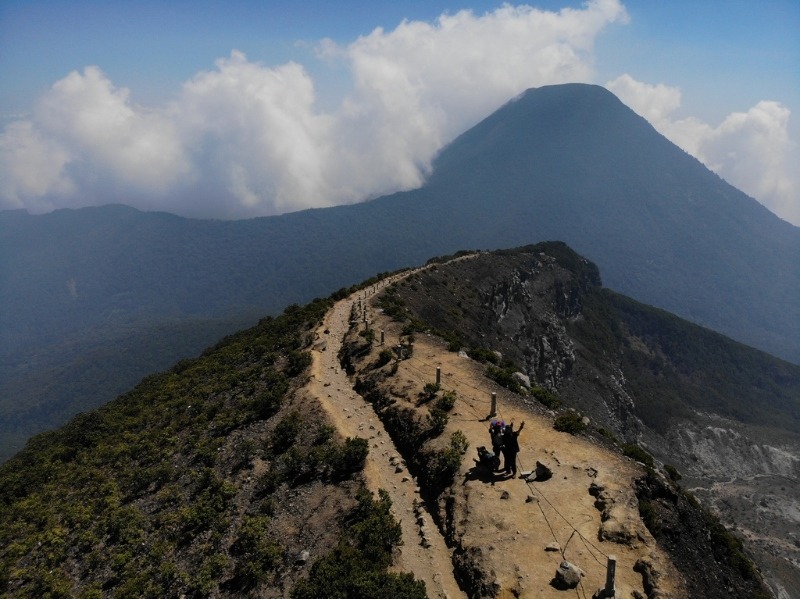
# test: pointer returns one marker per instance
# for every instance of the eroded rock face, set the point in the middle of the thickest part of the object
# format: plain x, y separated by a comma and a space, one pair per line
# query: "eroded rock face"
473, 576
543, 312
616, 526
721, 449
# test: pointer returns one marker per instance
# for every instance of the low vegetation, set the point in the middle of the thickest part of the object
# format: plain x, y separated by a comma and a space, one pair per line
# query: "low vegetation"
569, 422
357, 565
149, 495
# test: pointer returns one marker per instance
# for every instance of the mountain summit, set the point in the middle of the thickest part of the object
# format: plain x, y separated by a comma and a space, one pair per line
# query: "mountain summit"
571, 162
566, 162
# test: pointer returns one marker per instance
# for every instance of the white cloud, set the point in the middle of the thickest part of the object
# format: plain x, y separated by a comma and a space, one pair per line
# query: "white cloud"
420, 85
245, 139
751, 150
254, 135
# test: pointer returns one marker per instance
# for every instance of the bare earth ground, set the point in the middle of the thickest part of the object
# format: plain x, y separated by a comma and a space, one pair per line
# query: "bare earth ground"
512, 521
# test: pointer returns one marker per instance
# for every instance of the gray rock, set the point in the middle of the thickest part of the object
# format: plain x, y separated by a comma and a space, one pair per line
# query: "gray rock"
542, 472
568, 574
522, 379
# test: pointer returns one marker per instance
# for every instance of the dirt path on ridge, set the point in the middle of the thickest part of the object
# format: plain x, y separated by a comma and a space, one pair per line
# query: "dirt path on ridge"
523, 530
353, 417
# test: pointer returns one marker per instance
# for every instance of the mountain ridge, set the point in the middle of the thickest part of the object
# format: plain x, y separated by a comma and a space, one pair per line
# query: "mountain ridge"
222, 475
562, 162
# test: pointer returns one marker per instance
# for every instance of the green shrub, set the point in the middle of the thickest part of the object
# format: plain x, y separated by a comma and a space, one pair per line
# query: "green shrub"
505, 378
438, 468
258, 555
357, 566
637, 453
286, 432
446, 401
459, 443
428, 393
546, 398
569, 422
650, 517
384, 357
726, 545
437, 419
483, 355
368, 334
607, 434
324, 434
350, 457
672, 472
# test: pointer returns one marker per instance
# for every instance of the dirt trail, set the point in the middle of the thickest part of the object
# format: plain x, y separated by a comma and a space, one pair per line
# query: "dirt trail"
354, 417
523, 530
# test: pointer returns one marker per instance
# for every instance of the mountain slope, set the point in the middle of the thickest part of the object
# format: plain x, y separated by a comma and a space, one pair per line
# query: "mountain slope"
218, 477
725, 415
573, 163
224, 476
565, 162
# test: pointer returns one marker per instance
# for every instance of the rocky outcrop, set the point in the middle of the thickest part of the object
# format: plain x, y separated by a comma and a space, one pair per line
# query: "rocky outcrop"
472, 575
721, 448
616, 526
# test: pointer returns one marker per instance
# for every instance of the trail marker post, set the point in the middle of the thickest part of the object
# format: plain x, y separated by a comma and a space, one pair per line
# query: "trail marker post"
610, 590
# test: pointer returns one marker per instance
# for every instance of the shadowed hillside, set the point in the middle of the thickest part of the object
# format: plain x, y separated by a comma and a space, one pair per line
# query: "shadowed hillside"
723, 415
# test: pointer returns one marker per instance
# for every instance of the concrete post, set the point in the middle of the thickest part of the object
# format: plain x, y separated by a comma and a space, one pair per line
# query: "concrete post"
611, 572
382, 335
438, 376
493, 411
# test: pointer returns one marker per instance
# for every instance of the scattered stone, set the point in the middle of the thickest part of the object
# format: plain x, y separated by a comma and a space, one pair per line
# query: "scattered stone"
530, 499
405, 479
398, 469
553, 546
542, 472
505, 495
568, 575
651, 577
303, 557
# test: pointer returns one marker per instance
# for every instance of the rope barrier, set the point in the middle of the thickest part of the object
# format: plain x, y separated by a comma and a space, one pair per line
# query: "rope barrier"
467, 400
529, 483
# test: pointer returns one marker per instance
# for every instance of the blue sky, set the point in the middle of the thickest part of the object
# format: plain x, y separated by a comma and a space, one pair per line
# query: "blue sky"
132, 101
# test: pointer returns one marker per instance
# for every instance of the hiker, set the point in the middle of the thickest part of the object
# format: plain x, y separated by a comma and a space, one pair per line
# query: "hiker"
496, 433
487, 459
511, 448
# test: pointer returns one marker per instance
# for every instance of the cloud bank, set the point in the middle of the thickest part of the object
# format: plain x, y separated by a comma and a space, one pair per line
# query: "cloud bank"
751, 150
246, 139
